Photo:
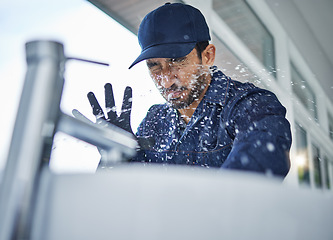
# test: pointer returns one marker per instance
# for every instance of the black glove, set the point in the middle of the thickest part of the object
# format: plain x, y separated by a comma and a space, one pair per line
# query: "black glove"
124, 120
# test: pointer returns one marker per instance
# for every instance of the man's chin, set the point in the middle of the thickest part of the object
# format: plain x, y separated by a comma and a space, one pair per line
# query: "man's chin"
178, 103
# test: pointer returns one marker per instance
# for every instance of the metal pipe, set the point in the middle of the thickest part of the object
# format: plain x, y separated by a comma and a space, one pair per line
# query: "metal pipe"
32, 136
108, 138
37, 120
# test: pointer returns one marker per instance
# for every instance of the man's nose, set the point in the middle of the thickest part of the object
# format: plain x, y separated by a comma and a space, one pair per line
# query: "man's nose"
168, 79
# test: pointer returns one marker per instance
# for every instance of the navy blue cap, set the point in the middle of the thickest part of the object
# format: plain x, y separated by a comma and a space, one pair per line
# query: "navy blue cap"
171, 31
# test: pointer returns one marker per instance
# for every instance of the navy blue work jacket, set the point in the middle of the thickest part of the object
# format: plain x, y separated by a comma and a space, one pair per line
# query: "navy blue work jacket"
236, 126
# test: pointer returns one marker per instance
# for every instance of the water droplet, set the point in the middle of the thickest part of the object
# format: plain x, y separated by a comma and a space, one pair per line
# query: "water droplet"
270, 146
244, 160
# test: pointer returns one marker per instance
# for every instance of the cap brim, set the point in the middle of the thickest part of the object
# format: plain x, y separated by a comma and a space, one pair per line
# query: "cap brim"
170, 50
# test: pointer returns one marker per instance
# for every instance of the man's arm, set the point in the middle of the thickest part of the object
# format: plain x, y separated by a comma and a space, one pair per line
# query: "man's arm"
261, 133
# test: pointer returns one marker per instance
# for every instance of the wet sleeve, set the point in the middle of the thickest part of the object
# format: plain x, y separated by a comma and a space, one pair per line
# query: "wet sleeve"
140, 153
146, 129
261, 133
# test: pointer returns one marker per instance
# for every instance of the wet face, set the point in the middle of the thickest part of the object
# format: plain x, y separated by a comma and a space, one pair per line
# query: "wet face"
181, 81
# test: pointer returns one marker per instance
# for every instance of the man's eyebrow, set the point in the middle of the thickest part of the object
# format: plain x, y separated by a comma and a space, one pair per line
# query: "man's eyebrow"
177, 59
151, 64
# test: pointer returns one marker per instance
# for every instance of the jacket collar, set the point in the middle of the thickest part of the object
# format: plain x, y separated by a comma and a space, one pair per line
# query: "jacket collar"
218, 88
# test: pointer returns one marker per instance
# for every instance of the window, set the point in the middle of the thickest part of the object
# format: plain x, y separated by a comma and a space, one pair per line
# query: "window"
230, 65
247, 26
316, 166
302, 159
326, 169
303, 92
330, 126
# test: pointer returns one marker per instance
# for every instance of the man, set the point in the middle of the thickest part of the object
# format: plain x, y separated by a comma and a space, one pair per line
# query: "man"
209, 120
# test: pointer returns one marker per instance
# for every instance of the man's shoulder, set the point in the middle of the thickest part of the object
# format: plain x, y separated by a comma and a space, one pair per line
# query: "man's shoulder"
158, 107
223, 88
219, 78
240, 86
158, 110
156, 118
239, 91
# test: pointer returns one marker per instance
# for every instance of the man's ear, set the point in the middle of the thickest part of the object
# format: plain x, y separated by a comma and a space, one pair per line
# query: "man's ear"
208, 55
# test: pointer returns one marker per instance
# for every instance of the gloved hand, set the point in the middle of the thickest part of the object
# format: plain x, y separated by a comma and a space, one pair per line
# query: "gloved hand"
123, 120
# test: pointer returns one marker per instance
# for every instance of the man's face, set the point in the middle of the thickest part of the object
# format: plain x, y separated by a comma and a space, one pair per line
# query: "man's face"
181, 81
